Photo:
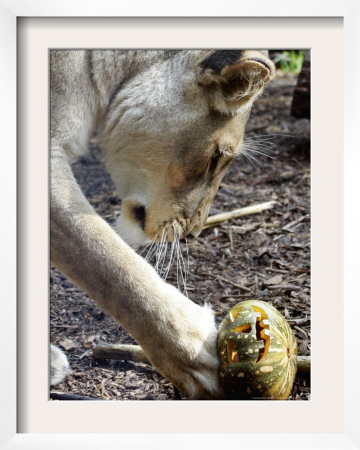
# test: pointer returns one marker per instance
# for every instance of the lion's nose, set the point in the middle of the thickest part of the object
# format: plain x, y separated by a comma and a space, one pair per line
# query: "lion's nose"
140, 215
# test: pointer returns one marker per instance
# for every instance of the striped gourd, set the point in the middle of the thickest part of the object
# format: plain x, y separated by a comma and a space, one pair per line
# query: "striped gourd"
257, 351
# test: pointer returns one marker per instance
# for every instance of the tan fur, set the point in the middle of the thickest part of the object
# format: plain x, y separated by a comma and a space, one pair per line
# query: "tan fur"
169, 124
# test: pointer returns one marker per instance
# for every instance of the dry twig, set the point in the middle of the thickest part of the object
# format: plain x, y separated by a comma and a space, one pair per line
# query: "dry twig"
253, 209
136, 353
65, 396
120, 352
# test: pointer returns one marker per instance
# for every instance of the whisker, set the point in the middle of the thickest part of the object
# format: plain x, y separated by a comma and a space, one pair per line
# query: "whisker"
250, 157
260, 143
171, 258
181, 262
186, 268
160, 250
263, 143
152, 249
178, 262
187, 255
259, 151
253, 148
148, 246
163, 256
177, 256
156, 255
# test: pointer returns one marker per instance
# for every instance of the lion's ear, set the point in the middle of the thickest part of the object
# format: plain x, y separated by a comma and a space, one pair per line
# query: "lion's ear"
235, 78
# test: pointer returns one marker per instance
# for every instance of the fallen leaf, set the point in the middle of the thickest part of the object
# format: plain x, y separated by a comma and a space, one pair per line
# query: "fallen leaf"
277, 279
67, 344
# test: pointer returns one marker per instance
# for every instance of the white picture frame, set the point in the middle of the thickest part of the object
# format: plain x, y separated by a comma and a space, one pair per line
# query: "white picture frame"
346, 433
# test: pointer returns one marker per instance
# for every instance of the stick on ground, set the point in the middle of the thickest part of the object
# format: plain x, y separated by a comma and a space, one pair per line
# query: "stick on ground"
136, 353
253, 209
66, 396
120, 352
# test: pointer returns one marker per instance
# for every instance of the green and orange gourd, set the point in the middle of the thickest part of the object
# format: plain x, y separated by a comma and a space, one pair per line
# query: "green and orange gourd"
257, 351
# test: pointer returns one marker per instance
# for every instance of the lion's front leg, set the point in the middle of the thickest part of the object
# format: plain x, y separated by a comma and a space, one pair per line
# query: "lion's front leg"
178, 336
183, 347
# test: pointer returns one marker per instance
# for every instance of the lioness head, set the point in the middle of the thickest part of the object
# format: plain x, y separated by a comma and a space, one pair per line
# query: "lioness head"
172, 130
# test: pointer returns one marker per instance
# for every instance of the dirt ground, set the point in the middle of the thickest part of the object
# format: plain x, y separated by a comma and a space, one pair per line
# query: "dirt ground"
264, 256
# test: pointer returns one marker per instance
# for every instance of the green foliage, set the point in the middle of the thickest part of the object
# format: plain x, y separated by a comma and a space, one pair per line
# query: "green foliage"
290, 60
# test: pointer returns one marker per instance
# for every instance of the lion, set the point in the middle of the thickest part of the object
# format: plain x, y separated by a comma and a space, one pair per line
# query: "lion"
169, 123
